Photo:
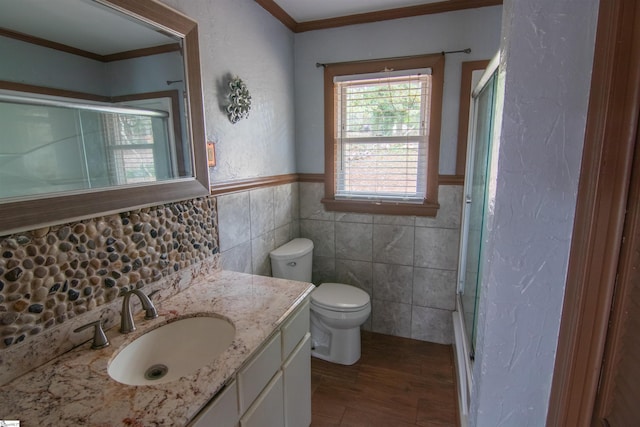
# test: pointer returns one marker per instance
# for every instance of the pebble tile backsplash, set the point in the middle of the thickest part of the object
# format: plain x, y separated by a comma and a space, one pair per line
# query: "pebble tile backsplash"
53, 274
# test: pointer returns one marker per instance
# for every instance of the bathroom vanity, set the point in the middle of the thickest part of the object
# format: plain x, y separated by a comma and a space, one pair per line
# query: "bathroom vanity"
261, 379
273, 388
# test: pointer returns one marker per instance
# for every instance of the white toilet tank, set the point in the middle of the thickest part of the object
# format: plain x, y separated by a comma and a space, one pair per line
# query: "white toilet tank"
293, 260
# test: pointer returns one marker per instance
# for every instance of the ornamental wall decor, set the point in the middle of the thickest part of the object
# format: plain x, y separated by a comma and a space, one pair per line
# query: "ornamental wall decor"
239, 100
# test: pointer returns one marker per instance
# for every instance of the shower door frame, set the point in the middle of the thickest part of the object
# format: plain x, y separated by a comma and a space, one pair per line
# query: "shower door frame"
462, 340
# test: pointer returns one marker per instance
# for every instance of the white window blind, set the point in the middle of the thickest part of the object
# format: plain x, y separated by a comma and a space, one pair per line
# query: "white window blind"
381, 136
131, 143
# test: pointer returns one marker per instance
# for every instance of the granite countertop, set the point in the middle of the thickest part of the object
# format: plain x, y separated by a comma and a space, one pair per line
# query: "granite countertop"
75, 389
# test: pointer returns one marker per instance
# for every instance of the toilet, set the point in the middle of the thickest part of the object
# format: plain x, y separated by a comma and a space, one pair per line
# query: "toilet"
337, 310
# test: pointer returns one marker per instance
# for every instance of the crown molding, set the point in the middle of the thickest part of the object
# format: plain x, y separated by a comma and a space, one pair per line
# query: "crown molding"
273, 8
136, 53
362, 18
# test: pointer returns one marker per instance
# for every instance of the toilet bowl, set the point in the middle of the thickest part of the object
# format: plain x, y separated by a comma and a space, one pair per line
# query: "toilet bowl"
337, 310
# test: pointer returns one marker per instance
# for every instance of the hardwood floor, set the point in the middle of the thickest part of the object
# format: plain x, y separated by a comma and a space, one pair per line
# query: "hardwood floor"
397, 382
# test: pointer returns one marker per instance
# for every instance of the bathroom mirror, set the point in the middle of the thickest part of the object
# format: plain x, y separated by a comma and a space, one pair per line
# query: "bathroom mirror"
101, 110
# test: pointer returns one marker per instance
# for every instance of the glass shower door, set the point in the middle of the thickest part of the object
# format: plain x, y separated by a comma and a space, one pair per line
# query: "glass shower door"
475, 190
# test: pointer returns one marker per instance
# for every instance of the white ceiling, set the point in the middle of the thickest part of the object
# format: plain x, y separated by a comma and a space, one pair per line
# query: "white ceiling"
311, 10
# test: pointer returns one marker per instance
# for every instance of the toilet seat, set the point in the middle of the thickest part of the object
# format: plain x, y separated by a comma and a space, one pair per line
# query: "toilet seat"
339, 297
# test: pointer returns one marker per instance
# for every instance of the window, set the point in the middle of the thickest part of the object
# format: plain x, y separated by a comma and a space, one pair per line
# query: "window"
382, 131
382, 137
143, 148
131, 141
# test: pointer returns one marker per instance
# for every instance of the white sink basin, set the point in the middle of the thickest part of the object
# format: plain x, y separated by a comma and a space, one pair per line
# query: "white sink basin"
172, 351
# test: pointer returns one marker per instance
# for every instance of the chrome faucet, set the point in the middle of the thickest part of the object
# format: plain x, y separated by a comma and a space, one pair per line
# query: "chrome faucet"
126, 324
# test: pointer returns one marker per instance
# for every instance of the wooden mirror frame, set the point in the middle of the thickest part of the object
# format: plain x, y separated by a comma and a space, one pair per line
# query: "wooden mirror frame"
58, 208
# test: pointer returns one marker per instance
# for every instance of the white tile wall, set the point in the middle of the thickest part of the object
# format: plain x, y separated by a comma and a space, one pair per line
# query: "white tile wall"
262, 209
253, 223
354, 241
234, 220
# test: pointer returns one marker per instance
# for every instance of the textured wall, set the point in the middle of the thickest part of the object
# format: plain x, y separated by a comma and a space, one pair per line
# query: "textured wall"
238, 37
478, 29
41, 66
146, 74
547, 48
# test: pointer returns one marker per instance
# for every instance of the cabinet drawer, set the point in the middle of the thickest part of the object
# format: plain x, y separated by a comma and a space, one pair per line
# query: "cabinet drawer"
222, 411
295, 329
256, 375
268, 409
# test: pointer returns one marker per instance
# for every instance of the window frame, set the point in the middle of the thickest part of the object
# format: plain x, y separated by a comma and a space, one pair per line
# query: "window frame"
430, 205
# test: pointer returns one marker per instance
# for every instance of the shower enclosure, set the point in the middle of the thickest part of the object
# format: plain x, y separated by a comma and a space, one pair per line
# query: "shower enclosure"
481, 134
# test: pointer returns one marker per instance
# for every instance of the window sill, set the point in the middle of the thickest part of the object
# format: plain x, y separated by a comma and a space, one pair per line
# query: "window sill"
382, 208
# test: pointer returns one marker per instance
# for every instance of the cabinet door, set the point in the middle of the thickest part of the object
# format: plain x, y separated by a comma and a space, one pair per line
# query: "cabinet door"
268, 409
297, 385
222, 411
253, 378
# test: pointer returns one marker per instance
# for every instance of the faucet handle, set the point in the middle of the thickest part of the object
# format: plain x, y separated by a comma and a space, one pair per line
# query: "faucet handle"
99, 338
150, 311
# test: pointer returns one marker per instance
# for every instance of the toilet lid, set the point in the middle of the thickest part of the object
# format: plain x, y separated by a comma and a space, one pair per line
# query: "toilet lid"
294, 249
339, 297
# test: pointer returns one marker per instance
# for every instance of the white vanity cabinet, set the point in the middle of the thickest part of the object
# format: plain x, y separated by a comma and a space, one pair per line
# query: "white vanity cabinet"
221, 411
273, 388
268, 409
296, 372
296, 369
254, 377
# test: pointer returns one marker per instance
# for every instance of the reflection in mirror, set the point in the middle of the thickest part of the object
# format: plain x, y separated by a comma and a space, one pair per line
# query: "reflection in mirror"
100, 96
69, 146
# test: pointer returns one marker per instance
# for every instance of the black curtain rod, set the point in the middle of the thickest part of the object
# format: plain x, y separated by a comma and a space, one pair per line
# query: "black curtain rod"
467, 50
